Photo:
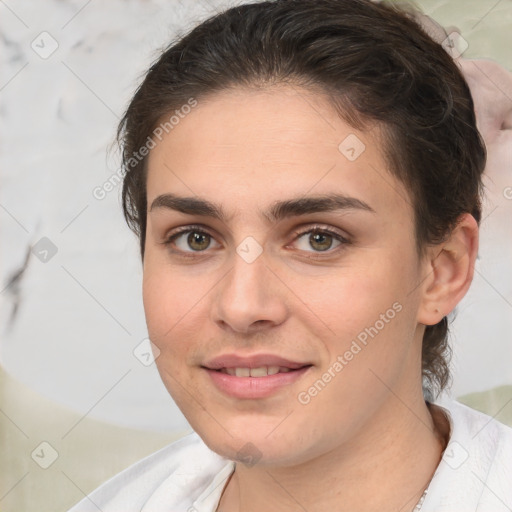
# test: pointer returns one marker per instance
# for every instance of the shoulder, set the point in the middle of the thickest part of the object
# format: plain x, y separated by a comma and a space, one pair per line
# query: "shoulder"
480, 425
176, 474
475, 471
481, 436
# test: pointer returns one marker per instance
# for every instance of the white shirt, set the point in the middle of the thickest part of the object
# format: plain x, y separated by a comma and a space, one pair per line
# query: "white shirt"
474, 475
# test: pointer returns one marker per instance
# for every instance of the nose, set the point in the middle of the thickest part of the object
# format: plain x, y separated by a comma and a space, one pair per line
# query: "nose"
250, 297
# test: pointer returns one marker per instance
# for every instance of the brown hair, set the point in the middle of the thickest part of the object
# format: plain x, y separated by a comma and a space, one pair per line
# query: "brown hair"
375, 64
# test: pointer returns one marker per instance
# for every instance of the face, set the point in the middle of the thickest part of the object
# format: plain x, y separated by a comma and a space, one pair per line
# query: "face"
280, 276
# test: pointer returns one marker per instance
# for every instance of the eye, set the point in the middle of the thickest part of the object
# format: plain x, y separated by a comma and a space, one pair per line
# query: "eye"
190, 239
194, 239
320, 239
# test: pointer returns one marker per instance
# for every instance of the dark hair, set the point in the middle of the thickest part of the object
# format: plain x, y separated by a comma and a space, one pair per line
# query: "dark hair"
374, 63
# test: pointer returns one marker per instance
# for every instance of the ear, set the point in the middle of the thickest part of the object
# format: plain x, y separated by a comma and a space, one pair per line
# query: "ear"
448, 271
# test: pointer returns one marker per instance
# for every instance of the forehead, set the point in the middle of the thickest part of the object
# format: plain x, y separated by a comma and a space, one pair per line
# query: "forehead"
244, 148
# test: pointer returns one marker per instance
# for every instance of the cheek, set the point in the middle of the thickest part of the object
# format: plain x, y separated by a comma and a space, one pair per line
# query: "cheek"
176, 312
168, 308
370, 315
157, 308
170, 300
352, 298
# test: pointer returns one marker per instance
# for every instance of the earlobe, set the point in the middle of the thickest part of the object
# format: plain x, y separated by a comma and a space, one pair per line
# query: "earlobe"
449, 271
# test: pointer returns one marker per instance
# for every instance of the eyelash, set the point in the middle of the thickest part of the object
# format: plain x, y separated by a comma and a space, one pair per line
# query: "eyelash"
298, 234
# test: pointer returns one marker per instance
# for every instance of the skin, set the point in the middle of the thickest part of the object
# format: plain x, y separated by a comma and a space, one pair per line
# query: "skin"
368, 432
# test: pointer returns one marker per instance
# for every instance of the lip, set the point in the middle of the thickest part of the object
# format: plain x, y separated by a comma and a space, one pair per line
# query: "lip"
254, 387
254, 361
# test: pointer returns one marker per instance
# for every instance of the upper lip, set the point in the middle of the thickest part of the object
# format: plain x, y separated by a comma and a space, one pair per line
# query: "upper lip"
254, 361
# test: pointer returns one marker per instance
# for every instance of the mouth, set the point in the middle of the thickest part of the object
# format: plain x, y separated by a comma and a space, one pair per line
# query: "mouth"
256, 376
256, 383
261, 371
260, 364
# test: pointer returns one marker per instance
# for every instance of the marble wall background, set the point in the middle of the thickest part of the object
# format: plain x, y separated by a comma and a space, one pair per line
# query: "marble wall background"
71, 309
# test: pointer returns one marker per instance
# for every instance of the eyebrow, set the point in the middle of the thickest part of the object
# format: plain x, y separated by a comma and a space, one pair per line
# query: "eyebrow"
278, 210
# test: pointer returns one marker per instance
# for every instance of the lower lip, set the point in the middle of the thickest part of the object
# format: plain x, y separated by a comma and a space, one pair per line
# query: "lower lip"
254, 387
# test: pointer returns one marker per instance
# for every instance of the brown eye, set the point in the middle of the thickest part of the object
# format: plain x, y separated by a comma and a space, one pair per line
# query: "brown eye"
190, 241
198, 241
319, 240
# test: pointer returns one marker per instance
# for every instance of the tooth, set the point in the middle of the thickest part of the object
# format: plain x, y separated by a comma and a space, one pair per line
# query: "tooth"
283, 369
230, 371
259, 372
242, 372
272, 370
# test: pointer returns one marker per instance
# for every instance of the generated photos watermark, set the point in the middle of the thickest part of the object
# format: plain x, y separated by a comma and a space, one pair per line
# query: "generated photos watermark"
342, 360
100, 192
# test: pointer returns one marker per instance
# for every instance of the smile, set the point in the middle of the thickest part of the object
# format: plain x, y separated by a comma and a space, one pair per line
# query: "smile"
260, 382
262, 371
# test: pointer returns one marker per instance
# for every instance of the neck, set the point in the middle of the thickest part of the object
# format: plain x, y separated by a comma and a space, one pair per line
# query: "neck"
387, 468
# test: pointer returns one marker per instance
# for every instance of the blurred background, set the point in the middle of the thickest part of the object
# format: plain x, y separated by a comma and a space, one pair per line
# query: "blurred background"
80, 397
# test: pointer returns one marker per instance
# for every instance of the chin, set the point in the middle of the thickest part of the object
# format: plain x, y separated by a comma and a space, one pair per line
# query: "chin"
250, 444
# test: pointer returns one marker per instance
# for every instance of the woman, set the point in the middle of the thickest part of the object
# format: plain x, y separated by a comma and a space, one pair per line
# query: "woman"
305, 180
